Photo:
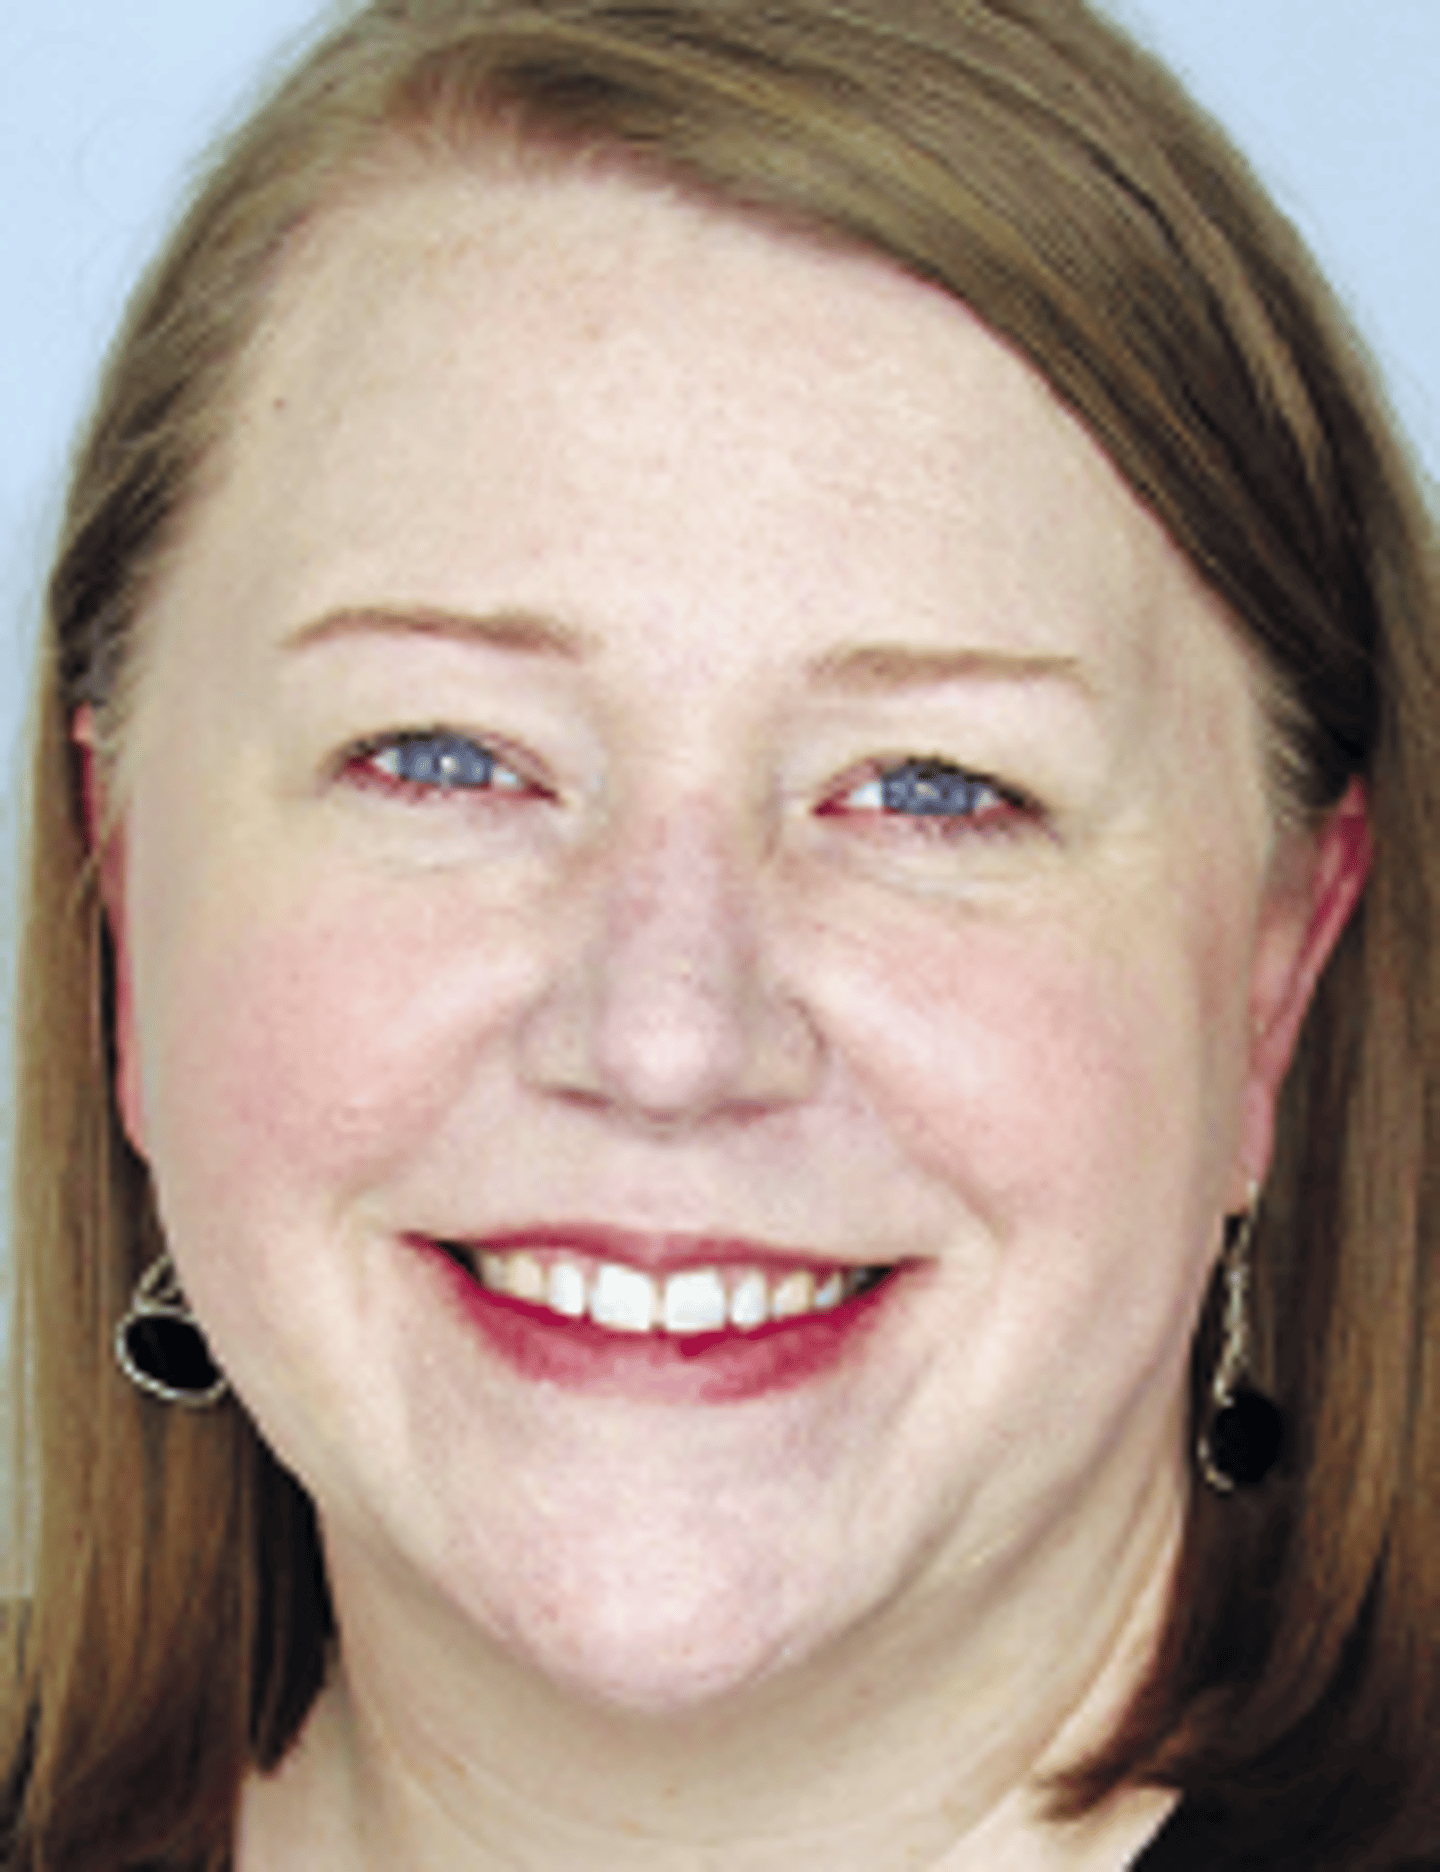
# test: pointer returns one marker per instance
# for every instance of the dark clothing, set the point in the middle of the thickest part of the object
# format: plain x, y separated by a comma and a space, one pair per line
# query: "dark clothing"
1190, 1841
1186, 1843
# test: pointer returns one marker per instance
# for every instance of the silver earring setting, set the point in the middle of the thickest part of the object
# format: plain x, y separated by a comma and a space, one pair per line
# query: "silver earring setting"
1242, 1438
160, 1347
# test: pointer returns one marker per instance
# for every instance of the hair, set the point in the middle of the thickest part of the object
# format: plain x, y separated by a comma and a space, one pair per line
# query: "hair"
1034, 163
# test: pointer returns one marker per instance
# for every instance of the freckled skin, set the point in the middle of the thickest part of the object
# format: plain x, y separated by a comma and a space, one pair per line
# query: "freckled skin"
663, 989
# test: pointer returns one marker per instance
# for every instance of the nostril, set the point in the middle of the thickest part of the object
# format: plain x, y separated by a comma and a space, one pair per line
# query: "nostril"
680, 1050
670, 1045
665, 1006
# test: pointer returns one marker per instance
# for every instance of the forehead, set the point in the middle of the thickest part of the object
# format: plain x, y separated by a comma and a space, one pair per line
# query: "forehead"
572, 380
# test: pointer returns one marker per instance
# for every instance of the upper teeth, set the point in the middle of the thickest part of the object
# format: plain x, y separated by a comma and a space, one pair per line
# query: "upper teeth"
697, 1300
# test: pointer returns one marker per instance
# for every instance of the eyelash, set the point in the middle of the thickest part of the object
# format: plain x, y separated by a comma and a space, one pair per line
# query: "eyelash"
952, 802
364, 763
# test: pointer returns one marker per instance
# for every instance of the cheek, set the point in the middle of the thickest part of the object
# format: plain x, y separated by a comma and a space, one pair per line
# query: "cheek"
1059, 1082
1055, 1071
306, 1050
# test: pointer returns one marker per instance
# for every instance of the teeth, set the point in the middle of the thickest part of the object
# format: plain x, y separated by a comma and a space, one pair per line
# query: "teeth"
695, 1302
698, 1300
565, 1289
750, 1301
527, 1277
623, 1298
794, 1295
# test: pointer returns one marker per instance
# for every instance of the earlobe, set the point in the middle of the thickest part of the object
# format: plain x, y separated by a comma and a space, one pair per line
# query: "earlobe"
1316, 885
107, 844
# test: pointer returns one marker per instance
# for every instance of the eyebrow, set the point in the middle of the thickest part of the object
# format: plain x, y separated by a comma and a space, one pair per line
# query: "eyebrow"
847, 669
883, 669
525, 633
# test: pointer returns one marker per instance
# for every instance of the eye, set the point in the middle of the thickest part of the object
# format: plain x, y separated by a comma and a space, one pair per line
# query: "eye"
430, 763
948, 798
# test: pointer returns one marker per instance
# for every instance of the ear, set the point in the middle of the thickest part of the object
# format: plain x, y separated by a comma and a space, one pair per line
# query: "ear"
107, 845
1315, 883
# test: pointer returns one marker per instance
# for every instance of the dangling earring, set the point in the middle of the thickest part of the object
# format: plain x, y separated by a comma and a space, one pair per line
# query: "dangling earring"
1241, 1443
160, 1347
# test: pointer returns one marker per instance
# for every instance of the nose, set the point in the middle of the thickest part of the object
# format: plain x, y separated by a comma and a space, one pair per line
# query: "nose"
663, 1011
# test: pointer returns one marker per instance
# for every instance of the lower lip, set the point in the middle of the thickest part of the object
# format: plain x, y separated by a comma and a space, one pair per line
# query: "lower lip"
726, 1367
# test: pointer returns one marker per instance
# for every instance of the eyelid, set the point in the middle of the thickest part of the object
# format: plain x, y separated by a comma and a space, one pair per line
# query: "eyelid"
998, 814
358, 759
1012, 799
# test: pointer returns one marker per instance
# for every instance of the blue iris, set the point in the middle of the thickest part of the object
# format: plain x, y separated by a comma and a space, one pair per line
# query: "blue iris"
933, 789
439, 760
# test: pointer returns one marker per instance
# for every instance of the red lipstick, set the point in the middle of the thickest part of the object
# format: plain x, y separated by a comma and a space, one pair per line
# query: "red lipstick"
530, 1293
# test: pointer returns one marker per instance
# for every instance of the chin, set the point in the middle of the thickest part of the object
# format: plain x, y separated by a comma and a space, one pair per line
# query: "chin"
648, 1676
656, 1641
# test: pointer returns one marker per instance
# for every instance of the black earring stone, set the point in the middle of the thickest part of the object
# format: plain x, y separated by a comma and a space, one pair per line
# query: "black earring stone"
1246, 1437
172, 1352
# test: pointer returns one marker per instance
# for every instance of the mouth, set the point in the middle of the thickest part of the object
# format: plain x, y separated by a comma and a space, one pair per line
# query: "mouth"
621, 1298
701, 1329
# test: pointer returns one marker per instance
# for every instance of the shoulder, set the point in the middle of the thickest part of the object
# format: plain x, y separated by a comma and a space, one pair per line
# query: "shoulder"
1193, 1841
1188, 1842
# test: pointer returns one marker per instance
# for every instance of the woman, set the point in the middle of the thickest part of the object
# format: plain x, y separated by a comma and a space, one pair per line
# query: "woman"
736, 739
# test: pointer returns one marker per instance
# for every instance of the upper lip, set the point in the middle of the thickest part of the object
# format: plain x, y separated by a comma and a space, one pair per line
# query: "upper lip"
654, 1251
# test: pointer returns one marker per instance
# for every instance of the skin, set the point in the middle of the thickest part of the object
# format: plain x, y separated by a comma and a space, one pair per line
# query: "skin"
687, 977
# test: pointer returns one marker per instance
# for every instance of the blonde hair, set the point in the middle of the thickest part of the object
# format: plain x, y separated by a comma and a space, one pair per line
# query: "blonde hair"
1028, 159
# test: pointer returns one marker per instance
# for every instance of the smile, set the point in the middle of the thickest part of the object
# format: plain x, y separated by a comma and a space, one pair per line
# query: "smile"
625, 1299
692, 1327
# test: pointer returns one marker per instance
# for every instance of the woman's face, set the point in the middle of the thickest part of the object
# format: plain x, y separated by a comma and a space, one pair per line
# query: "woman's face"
666, 754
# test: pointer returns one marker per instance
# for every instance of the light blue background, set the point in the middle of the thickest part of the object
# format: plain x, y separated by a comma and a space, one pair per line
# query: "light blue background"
103, 103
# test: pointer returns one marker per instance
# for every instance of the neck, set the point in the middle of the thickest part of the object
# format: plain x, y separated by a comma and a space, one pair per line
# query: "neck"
927, 1738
